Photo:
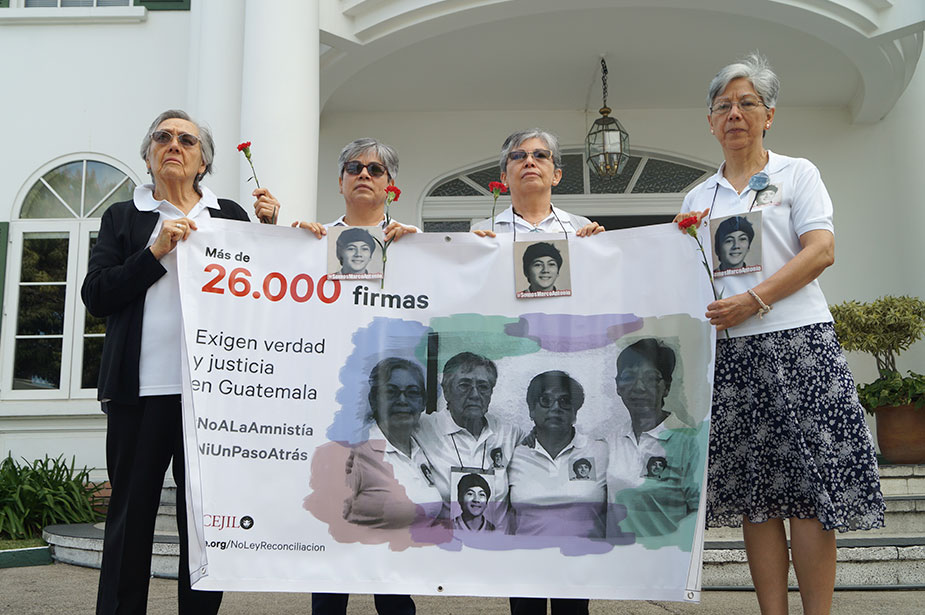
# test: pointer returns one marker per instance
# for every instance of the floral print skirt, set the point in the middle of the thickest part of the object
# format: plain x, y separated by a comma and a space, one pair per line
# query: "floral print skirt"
788, 436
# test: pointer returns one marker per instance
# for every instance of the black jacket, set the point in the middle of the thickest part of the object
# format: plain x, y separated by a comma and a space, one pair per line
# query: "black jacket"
120, 272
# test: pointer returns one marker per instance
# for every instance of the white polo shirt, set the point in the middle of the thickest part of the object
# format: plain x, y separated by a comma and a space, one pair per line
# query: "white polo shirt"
450, 446
161, 327
657, 501
549, 499
801, 204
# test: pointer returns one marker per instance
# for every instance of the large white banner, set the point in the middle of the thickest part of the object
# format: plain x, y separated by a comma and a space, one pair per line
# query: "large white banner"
434, 433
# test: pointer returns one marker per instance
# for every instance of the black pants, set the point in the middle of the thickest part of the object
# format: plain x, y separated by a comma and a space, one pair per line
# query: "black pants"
140, 442
560, 606
386, 604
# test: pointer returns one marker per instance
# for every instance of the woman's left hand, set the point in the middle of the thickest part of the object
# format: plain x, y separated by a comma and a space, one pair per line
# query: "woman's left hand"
395, 230
266, 207
590, 229
731, 311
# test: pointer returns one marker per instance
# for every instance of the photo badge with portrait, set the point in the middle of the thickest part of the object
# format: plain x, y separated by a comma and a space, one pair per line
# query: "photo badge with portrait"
541, 269
736, 244
470, 496
355, 252
767, 196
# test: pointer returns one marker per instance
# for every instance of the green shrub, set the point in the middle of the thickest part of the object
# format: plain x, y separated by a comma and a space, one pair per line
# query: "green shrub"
44, 492
884, 328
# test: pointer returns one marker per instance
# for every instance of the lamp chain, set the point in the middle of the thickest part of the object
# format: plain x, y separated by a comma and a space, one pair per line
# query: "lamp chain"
604, 79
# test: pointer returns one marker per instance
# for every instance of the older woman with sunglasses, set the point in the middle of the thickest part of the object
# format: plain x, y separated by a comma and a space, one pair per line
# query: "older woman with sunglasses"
788, 438
132, 281
531, 164
367, 168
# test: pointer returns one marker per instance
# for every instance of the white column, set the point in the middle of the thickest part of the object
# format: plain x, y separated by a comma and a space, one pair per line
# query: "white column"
280, 102
217, 50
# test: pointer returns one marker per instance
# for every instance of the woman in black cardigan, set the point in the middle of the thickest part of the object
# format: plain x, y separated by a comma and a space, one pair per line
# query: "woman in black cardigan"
132, 281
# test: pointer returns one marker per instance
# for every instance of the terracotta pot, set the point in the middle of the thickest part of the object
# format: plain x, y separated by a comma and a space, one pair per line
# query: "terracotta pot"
901, 433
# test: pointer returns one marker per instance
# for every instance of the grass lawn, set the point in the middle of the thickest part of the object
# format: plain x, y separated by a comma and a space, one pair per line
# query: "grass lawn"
21, 544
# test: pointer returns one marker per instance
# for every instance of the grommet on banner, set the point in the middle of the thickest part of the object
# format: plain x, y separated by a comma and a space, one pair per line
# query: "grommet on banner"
447, 238
440, 587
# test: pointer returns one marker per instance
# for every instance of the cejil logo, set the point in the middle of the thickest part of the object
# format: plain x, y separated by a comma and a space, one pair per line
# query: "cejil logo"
224, 522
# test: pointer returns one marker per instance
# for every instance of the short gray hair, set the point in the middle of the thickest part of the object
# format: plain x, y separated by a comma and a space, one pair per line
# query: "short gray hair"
385, 153
206, 143
756, 68
514, 140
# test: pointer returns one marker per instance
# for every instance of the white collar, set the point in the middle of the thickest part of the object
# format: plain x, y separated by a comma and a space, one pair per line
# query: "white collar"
508, 216
144, 198
340, 222
776, 164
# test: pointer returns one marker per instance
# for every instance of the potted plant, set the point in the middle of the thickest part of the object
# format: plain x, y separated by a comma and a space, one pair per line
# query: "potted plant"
885, 328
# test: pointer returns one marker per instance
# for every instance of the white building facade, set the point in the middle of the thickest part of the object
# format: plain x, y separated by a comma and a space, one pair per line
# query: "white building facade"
443, 82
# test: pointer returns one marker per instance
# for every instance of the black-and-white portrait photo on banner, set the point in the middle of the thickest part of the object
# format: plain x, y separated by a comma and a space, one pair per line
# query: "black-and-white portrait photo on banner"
355, 252
470, 492
736, 244
541, 269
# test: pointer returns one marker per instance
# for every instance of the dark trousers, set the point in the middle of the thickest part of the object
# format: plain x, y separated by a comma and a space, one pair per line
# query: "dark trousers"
140, 442
386, 604
560, 606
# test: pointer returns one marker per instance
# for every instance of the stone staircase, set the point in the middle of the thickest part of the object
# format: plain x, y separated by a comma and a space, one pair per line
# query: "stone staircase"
82, 544
891, 557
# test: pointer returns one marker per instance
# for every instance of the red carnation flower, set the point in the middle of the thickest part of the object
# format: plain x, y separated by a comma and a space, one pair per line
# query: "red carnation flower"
497, 188
392, 194
244, 146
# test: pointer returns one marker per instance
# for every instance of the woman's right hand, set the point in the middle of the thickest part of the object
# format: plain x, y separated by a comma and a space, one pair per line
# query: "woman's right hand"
315, 227
485, 233
172, 231
685, 215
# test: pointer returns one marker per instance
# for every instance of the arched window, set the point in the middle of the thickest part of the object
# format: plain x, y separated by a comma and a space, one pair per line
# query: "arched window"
649, 190
51, 346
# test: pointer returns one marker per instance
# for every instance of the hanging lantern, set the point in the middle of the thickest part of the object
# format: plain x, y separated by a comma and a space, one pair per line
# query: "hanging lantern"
607, 143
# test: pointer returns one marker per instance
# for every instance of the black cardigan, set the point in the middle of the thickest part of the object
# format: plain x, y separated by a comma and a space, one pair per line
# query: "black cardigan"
120, 272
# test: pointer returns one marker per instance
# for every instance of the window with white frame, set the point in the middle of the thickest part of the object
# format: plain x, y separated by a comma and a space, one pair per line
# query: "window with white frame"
43, 4
52, 346
649, 190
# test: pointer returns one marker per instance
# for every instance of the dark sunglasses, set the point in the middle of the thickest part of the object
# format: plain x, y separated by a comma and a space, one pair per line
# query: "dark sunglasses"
163, 137
538, 154
355, 167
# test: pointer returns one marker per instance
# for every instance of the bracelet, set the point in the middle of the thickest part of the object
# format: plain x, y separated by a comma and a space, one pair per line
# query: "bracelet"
765, 308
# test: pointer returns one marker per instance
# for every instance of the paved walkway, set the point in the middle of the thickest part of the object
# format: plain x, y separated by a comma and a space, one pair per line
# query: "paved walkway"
62, 589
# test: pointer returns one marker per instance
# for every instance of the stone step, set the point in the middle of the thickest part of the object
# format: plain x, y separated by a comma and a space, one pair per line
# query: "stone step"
891, 561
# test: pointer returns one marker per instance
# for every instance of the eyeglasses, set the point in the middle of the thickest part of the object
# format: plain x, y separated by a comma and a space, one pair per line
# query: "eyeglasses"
746, 104
648, 378
547, 401
412, 393
164, 137
464, 387
538, 154
355, 167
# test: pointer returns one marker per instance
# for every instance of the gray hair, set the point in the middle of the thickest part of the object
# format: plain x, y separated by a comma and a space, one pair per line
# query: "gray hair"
385, 153
206, 143
514, 140
465, 362
756, 68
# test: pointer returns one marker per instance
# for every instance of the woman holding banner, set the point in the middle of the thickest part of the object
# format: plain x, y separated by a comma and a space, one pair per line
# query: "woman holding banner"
788, 438
531, 164
132, 281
